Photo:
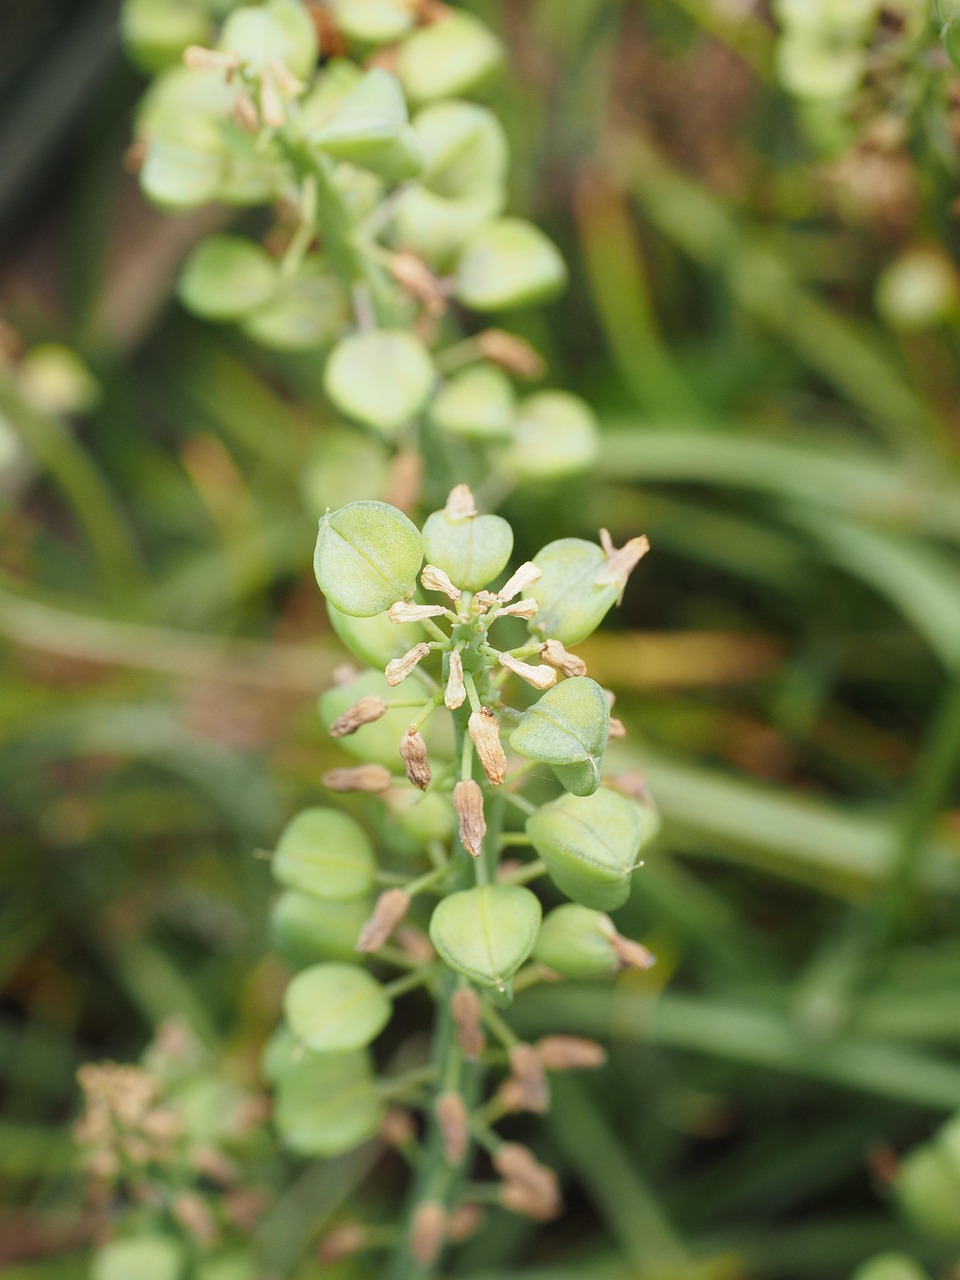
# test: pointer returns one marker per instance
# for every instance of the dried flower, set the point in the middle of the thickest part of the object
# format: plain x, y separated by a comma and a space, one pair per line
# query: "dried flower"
435, 579
539, 677
529, 1187
397, 1128
620, 562
569, 1053
342, 1242
456, 690
485, 732
398, 669
362, 777
389, 910
460, 504
617, 728
404, 612
364, 711
428, 1232
568, 664
272, 111
413, 749
415, 277
468, 802
524, 577
197, 58
454, 1121
244, 113
463, 1222
511, 353
526, 1088
465, 1008
526, 609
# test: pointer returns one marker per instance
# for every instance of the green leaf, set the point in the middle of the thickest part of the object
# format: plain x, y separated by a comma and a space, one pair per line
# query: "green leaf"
575, 942
590, 845
306, 929
446, 59
367, 557
464, 149
306, 311
555, 436
375, 640
486, 933
225, 277
334, 1008
478, 404
327, 1103
508, 263
324, 853
146, 1256
471, 551
156, 32
370, 128
373, 21
572, 603
382, 378
566, 727
280, 31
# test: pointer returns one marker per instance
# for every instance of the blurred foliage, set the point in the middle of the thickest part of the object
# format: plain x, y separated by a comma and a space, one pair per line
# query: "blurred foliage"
759, 221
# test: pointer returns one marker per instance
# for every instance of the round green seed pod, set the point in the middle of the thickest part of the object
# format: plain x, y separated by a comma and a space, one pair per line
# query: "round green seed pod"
927, 1188
477, 404
555, 436
472, 551
436, 228
377, 640
572, 602
575, 941
382, 378
327, 1103
509, 263
156, 32
333, 1008
344, 466
890, 1266
225, 277
454, 56
367, 557
324, 853
464, 149
486, 933
148, 1256
373, 22
590, 845
422, 818
281, 31
567, 728
307, 311
369, 128
307, 930
379, 741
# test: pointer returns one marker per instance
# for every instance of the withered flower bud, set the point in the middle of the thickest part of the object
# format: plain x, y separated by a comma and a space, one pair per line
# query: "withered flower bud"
197, 58
529, 1075
413, 749
456, 690
415, 944
569, 1053
620, 562
465, 1007
404, 612
464, 1221
287, 82
539, 677
344, 672
272, 112
389, 910
632, 955
244, 113
633, 784
435, 579
460, 504
342, 1242
486, 598
362, 777
195, 1218
397, 1128
526, 609
617, 728
398, 669
511, 353
485, 732
530, 1187
524, 577
405, 480
554, 654
364, 711
542, 1205
428, 1232
468, 802
415, 277
454, 1121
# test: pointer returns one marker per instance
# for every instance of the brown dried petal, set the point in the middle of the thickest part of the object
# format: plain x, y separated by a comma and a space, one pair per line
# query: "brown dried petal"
554, 654
428, 1232
530, 1187
397, 1128
272, 112
197, 58
632, 955
362, 777
632, 784
511, 353
389, 909
529, 1074
620, 562
460, 504
525, 609
415, 944
542, 1206
413, 749
485, 732
398, 669
465, 1008
617, 728
454, 1121
468, 802
463, 1222
435, 579
519, 581
539, 677
404, 612
192, 1214
342, 1242
415, 277
570, 1053
456, 690
364, 711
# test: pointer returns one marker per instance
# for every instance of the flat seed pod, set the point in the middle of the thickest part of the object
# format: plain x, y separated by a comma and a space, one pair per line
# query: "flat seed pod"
183, 168
379, 741
226, 277
572, 605
382, 378
477, 404
567, 728
450, 58
927, 1189
370, 128
590, 846
375, 640
436, 228
305, 311
890, 1266
555, 435
367, 557
373, 22
281, 32
323, 852
145, 1256
508, 263
334, 1008
156, 32
422, 818
572, 942
307, 930
464, 149
472, 551
327, 1103
486, 933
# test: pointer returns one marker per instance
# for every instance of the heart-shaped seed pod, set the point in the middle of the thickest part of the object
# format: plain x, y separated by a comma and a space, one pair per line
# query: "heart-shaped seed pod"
370, 128
334, 1008
575, 942
555, 435
567, 728
508, 263
367, 557
226, 277
378, 740
590, 845
927, 1184
486, 933
375, 641
572, 603
477, 404
471, 551
308, 930
450, 58
382, 378
326, 854
150, 1255
326, 1103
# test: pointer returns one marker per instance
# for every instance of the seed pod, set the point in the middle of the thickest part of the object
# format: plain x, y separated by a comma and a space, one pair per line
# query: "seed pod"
146, 1254
374, 778
465, 1007
392, 906
325, 853
456, 690
555, 435
530, 1187
454, 1121
398, 670
334, 1008
373, 640
434, 579
382, 378
376, 742
413, 750
572, 603
307, 930
470, 551
450, 58
508, 263
570, 1053
364, 711
428, 1232
890, 1266
476, 404
485, 732
590, 845
468, 802
554, 654
486, 933
538, 677
325, 1103
368, 555
419, 818
567, 728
